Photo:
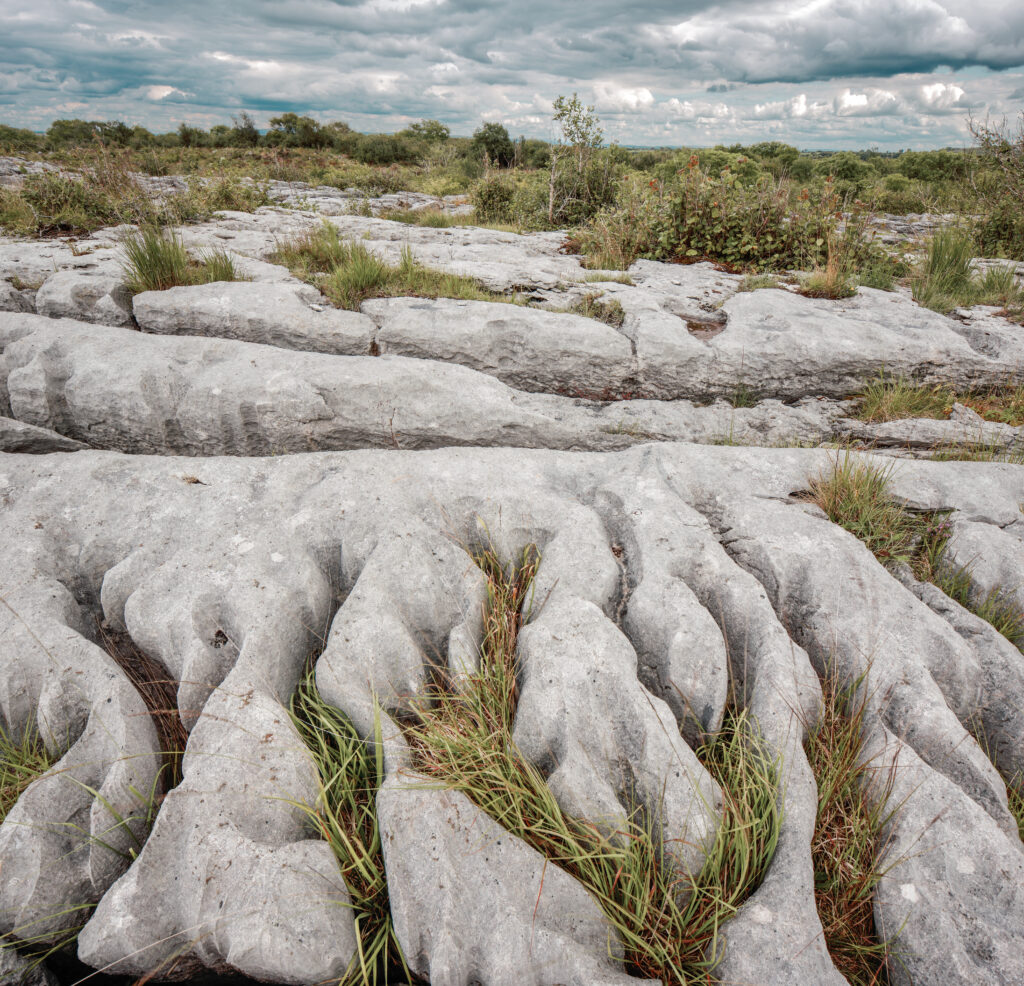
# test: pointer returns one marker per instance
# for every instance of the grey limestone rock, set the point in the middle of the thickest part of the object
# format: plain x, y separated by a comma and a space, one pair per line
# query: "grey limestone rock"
85, 296
289, 316
498, 913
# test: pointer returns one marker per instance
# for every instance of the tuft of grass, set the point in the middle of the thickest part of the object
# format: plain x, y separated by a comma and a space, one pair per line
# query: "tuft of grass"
978, 452
350, 273
848, 843
834, 280
22, 760
856, 495
893, 398
155, 260
600, 277
881, 276
669, 924
433, 218
743, 396
759, 282
996, 607
946, 278
590, 305
1015, 797
345, 815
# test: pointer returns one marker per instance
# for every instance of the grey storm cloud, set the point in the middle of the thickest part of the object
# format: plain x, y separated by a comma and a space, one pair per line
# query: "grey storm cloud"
661, 71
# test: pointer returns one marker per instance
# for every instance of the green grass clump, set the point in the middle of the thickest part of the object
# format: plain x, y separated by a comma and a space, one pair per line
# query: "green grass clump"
759, 282
1015, 797
848, 843
155, 260
856, 494
590, 305
669, 923
946, 278
345, 815
978, 452
350, 273
433, 218
602, 277
893, 398
22, 760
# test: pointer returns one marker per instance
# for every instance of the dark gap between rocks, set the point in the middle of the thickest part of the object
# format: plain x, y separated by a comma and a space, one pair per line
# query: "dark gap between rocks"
158, 690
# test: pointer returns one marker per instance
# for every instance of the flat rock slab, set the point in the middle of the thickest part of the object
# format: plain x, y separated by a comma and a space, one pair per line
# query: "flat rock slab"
136, 392
527, 348
289, 316
228, 570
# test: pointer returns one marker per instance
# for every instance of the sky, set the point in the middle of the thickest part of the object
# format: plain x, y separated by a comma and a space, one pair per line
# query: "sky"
818, 74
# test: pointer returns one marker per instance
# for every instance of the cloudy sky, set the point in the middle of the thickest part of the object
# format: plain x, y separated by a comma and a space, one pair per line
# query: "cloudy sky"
820, 73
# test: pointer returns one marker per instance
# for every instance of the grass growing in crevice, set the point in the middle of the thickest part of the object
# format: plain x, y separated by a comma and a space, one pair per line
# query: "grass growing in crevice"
591, 305
1015, 799
437, 219
893, 398
856, 494
834, 280
606, 277
758, 282
345, 814
22, 760
946, 278
848, 842
978, 452
350, 273
669, 924
160, 693
155, 260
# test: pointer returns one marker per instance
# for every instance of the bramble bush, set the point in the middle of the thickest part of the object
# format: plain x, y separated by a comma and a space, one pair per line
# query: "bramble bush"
750, 227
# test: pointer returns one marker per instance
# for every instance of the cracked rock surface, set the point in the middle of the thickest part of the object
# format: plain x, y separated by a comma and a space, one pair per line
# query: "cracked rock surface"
249, 485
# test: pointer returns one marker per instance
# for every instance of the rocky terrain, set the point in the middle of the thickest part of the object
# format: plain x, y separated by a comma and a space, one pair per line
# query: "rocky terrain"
243, 479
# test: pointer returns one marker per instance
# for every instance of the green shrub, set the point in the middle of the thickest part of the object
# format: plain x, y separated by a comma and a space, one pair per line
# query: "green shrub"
383, 149
621, 233
748, 227
493, 198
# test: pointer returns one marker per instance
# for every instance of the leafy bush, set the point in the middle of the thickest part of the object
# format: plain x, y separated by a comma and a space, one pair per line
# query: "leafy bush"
620, 234
721, 219
15, 139
1001, 232
493, 198
384, 149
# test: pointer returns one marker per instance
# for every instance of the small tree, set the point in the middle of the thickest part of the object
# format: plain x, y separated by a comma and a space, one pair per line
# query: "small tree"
493, 140
580, 188
432, 130
243, 131
293, 130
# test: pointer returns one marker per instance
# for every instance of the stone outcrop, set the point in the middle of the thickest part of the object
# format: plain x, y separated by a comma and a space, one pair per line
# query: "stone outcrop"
246, 485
